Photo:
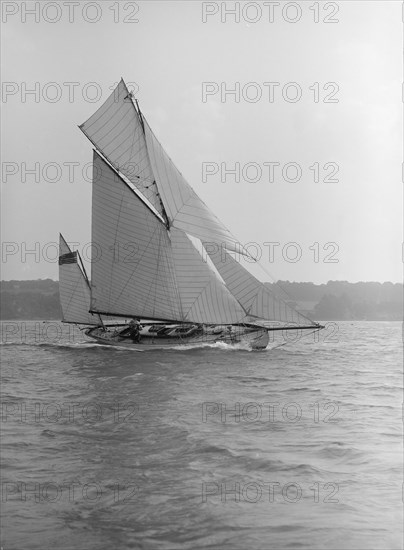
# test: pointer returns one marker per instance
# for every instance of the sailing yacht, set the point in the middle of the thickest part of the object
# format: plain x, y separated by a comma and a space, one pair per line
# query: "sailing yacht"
159, 254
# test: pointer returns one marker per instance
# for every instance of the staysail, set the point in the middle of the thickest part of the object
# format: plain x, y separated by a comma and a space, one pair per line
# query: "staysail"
74, 289
204, 297
256, 298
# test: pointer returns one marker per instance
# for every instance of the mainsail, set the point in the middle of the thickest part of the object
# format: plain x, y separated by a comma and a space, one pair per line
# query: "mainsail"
146, 220
139, 268
74, 288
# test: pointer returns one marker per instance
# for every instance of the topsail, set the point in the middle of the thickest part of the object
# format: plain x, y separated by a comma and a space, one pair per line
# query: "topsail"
115, 129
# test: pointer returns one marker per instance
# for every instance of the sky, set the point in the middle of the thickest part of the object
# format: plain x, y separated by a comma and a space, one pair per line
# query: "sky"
316, 98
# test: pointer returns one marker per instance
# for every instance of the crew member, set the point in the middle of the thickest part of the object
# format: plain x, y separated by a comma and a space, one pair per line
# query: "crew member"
135, 328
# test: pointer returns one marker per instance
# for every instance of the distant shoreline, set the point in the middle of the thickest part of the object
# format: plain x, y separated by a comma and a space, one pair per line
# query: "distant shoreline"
38, 300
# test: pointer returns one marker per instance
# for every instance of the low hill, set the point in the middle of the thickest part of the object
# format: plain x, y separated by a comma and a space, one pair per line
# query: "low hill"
336, 300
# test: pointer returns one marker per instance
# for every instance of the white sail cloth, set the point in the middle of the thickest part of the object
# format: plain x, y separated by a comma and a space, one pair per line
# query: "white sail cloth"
257, 300
143, 262
139, 268
73, 288
184, 208
115, 129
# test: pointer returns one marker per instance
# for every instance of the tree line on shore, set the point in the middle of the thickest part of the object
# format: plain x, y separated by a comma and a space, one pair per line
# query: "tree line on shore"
335, 300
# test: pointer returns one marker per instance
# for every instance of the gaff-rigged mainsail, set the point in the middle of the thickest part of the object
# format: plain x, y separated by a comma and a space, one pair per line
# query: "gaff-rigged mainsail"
74, 288
139, 268
145, 219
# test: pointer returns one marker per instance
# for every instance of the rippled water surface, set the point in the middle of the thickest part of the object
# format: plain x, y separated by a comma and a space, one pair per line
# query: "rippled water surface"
299, 446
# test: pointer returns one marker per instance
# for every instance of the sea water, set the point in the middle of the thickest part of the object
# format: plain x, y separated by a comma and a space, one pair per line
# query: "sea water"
297, 446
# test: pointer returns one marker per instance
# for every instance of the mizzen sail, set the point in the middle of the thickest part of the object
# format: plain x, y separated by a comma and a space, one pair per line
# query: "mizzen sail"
74, 288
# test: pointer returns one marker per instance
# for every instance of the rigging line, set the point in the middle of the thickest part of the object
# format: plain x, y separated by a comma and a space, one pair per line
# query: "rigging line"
261, 289
279, 299
131, 186
222, 281
278, 285
84, 270
106, 145
210, 283
185, 198
140, 116
132, 147
87, 280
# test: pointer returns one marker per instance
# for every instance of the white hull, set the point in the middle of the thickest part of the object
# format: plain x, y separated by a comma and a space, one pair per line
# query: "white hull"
256, 339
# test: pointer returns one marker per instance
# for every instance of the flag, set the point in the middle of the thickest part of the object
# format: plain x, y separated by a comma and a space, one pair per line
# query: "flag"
69, 258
